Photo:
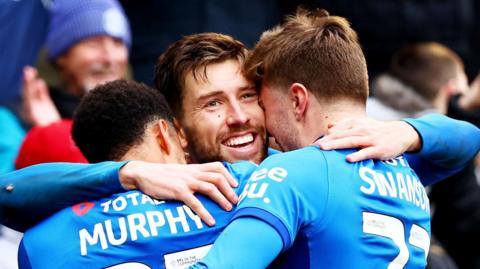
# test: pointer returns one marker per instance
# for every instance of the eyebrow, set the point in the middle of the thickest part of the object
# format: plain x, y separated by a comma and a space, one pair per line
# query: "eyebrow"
214, 93
208, 95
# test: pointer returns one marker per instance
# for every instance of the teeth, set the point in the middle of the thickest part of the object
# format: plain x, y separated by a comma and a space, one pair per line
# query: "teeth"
235, 141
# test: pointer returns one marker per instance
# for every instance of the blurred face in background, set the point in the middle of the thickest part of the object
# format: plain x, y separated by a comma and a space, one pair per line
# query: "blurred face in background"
93, 61
222, 119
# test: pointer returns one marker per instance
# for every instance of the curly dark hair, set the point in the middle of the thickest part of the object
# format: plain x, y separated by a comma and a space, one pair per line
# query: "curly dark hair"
113, 117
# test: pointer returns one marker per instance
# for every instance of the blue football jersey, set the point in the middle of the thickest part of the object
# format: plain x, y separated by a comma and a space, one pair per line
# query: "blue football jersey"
334, 214
126, 230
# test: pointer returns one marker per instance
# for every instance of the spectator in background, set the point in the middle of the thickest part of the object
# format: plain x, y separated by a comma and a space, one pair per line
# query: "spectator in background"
88, 42
52, 143
423, 77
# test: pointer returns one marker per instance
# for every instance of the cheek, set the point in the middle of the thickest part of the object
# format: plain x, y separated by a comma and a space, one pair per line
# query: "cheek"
85, 64
208, 125
78, 69
81, 66
255, 113
269, 124
86, 55
121, 56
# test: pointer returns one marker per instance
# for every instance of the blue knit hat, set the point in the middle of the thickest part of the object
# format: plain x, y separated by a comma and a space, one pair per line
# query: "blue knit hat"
74, 20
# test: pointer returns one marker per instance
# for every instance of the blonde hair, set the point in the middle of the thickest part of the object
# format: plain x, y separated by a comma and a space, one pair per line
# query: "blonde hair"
315, 49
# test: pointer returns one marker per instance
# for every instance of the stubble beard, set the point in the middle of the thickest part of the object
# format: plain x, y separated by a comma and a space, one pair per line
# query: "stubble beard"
201, 153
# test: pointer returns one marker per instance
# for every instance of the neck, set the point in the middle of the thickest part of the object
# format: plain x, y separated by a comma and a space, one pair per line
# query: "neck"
320, 117
137, 153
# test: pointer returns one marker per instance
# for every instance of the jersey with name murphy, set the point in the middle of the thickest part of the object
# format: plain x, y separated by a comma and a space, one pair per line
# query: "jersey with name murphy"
335, 214
126, 230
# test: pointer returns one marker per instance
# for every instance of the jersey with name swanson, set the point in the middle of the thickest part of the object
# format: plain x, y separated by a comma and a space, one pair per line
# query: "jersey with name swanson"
334, 214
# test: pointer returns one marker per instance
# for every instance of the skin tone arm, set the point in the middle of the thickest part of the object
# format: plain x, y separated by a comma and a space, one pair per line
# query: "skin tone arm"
438, 152
373, 137
33, 193
180, 182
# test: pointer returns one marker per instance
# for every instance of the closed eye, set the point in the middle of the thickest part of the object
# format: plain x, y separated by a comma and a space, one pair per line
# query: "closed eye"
251, 95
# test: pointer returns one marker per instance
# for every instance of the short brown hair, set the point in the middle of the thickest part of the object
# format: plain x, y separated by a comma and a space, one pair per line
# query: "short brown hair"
315, 49
425, 67
192, 53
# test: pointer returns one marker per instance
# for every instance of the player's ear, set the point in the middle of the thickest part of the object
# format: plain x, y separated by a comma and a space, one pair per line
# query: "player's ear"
162, 135
451, 87
181, 135
298, 95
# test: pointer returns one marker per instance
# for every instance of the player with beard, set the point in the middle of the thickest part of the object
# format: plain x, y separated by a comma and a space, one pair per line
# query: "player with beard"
217, 108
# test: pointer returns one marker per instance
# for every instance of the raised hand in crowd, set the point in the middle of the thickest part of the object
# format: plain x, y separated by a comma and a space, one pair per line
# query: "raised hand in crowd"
38, 108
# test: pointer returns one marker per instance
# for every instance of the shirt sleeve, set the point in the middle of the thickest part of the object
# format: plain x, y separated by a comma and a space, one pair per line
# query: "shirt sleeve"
33, 193
255, 247
447, 147
280, 192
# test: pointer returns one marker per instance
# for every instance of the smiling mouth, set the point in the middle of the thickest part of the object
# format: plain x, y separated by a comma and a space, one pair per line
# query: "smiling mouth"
239, 141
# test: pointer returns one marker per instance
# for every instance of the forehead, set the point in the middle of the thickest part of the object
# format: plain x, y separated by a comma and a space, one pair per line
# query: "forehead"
98, 38
272, 98
86, 43
223, 78
265, 91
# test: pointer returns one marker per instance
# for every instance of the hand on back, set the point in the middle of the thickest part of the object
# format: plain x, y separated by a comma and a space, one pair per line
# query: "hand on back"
180, 182
374, 139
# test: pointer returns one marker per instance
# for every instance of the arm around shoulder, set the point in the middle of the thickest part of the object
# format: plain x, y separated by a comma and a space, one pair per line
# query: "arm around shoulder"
33, 193
447, 146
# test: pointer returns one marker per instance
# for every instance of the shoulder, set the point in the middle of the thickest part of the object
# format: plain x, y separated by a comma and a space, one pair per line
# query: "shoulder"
240, 170
298, 168
304, 160
306, 156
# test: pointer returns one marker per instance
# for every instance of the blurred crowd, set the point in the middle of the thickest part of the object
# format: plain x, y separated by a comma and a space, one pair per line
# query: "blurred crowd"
420, 54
